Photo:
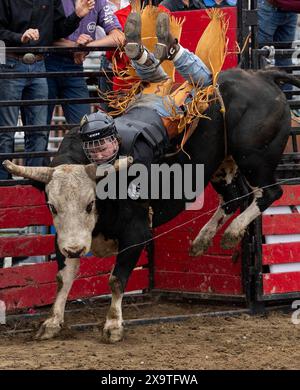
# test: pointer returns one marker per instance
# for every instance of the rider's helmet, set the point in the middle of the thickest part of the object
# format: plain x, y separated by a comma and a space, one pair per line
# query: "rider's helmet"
100, 137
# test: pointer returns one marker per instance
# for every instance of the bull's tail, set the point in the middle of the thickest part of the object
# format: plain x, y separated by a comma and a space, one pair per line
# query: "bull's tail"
280, 77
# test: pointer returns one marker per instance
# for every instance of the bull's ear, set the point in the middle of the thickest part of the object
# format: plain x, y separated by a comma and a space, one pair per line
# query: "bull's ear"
91, 171
41, 174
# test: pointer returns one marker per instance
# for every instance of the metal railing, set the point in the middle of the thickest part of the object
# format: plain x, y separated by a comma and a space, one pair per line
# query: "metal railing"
267, 54
56, 130
59, 127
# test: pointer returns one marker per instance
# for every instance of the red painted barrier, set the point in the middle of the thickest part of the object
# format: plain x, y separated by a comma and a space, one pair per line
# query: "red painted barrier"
195, 24
35, 285
214, 273
281, 274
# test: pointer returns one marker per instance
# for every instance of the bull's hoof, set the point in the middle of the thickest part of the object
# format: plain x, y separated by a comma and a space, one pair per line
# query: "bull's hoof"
230, 241
47, 332
113, 335
199, 247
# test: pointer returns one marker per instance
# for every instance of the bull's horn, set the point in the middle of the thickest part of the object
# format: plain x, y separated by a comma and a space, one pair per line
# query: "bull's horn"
123, 163
42, 174
119, 165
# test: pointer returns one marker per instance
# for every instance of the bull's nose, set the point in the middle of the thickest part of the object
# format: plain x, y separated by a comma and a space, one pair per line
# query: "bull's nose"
75, 251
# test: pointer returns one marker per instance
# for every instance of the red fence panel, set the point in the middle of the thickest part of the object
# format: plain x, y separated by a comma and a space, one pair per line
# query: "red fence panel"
281, 250
216, 272
35, 285
195, 24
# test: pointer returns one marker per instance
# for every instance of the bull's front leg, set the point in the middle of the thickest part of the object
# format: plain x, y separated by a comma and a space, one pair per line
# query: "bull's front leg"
65, 277
131, 244
113, 330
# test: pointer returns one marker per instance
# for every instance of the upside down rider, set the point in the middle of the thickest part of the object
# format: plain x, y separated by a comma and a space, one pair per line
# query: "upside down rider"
140, 131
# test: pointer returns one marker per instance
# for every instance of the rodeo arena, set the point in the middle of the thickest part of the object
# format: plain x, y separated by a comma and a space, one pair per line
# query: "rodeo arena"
202, 270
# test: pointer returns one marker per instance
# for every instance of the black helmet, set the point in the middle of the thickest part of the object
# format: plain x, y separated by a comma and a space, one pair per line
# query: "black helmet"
99, 137
97, 125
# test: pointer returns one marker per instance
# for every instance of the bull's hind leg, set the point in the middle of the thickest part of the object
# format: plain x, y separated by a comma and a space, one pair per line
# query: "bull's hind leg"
236, 230
227, 182
258, 169
204, 238
263, 198
257, 143
65, 277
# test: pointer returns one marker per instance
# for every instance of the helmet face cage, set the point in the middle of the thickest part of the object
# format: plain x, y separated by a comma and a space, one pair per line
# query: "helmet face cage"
103, 150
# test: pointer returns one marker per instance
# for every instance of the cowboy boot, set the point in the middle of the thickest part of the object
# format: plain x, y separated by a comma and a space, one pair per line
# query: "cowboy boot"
167, 46
133, 29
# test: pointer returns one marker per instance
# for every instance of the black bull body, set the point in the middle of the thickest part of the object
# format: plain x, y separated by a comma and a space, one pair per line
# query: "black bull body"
257, 125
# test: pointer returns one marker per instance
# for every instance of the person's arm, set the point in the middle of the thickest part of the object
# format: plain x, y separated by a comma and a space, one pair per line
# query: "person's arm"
64, 43
114, 38
10, 38
65, 26
173, 5
111, 25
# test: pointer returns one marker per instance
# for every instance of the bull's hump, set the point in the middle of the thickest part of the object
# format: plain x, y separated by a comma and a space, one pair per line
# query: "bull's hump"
67, 168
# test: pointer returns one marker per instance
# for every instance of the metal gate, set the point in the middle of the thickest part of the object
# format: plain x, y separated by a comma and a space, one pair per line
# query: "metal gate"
272, 247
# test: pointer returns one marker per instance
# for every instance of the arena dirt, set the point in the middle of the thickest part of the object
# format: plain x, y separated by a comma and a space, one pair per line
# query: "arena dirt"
244, 342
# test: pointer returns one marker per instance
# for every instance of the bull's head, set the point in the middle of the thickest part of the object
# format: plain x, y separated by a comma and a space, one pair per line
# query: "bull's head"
71, 193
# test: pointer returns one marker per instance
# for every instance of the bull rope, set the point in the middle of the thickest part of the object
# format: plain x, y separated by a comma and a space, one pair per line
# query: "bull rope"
203, 214
223, 112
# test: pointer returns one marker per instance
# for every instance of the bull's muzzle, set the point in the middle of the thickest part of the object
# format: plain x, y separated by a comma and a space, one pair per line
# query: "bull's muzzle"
75, 252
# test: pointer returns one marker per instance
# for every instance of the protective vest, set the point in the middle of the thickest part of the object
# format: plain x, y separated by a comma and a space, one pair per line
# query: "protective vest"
142, 122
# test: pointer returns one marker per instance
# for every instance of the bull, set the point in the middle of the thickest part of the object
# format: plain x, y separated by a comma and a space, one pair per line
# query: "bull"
255, 129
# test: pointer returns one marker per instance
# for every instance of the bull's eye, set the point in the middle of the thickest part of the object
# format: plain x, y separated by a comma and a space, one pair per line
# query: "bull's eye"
89, 207
52, 209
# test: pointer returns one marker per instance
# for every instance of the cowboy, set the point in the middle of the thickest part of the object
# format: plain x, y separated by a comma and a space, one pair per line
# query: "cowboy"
140, 131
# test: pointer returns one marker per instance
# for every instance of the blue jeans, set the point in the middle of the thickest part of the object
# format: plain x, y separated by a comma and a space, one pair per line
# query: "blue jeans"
276, 26
26, 89
104, 84
188, 65
67, 88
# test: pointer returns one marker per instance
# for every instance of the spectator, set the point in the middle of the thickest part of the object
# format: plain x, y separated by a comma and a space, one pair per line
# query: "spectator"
183, 5
76, 87
105, 60
30, 24
179, 5
287, 5
276, 25
219, 3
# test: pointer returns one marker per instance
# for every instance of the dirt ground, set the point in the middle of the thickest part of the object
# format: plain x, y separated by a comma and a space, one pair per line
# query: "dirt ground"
244, 342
